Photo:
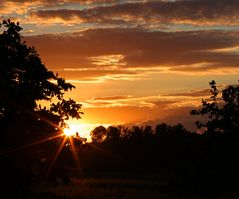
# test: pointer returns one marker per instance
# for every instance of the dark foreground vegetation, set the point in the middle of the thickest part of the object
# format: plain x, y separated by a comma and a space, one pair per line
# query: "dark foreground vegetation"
183, 163
167, 163
139, 162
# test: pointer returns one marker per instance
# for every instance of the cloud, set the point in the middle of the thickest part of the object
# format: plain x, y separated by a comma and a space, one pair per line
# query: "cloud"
24, 7
94, 74
192, 93
63, 1
196, 12
118, 97
174, 116
145, 110
159, 102
141, 116
164, 104
108, 60
137, 52
9, 8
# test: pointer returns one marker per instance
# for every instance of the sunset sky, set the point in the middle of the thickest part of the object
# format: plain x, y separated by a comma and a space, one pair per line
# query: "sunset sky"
134, 61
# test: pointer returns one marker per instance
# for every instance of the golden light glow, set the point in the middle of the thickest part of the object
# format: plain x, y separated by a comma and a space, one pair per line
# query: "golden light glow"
69, 132
81, 130
76, 128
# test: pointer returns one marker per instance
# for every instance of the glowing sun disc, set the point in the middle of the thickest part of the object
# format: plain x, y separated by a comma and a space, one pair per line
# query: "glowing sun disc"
68, 132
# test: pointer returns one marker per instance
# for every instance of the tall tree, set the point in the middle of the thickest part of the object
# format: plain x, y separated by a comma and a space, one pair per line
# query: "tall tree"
25, 82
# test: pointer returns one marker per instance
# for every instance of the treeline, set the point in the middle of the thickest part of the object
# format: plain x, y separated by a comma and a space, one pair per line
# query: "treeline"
114, 133
184, 162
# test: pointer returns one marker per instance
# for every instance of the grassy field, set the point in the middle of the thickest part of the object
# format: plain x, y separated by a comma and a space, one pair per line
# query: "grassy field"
98, 188
109, 188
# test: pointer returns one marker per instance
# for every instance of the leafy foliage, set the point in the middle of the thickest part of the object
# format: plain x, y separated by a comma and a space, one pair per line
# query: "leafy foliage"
98, 134
185, 164
222, 112
24, 82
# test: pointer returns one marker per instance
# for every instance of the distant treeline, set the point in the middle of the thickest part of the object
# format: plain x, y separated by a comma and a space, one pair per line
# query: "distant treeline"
183, 161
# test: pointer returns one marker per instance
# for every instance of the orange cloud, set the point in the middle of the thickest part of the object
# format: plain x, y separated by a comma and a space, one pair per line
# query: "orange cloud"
192, 93
134, 53
170, 101
140, 116
119, 97
146, 110
24, 7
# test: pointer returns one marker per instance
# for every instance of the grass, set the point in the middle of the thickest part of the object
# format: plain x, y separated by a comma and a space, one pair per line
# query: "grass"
103, 188
122, 186
112, 188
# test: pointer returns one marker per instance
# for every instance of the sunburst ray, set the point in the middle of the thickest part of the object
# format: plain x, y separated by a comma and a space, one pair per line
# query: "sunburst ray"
74, 152
55, 157
30, 144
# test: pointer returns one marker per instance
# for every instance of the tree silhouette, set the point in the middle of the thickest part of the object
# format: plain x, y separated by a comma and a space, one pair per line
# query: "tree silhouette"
222, 111
24, 83
136, 132
162, 129
113, 133
98, 134
148, 131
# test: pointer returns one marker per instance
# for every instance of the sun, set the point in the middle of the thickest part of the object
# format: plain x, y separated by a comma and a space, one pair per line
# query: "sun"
80, 130
75, 130
69, 132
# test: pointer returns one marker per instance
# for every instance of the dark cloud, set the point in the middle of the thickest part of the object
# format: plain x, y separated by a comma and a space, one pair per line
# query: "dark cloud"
181, 51
174, 117
10, 8
186, 11
65, 1
193, 93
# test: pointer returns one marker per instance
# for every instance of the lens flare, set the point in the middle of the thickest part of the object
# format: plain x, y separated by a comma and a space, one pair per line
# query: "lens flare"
69, 132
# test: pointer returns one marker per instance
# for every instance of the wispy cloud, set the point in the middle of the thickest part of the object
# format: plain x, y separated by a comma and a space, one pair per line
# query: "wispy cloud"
109, 98
147, 110
142, 115
192, 93
108, 60
168, 101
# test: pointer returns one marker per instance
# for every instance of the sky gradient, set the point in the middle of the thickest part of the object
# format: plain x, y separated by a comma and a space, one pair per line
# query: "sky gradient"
134, 62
